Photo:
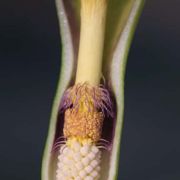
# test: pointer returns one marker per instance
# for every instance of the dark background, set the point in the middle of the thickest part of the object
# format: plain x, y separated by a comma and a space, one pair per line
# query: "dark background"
29, 68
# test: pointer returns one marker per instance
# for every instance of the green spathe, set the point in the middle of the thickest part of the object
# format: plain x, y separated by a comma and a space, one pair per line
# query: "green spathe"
122, 17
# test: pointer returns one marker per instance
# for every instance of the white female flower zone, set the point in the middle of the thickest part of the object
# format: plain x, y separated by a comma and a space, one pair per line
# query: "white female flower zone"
78, 161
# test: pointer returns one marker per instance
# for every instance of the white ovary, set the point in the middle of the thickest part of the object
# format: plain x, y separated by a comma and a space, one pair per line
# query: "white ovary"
78, 162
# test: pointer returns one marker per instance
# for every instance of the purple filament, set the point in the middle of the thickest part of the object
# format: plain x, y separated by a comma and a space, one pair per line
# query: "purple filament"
99, 96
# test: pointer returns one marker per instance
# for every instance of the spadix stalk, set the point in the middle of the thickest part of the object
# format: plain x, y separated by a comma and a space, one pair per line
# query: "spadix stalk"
93, 20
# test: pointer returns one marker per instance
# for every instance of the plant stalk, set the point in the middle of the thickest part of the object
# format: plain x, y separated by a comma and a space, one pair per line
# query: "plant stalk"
93, 17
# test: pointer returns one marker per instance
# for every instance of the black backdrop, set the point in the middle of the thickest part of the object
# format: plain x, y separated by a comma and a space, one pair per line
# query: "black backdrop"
29, 68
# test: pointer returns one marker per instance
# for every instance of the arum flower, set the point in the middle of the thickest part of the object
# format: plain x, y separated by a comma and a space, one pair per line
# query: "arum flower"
86, 123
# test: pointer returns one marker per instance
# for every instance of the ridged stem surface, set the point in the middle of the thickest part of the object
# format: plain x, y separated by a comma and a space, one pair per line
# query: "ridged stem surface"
93, 17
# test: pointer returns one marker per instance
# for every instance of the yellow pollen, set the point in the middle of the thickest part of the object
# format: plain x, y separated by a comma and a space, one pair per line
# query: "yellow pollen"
83, 124
82, 141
